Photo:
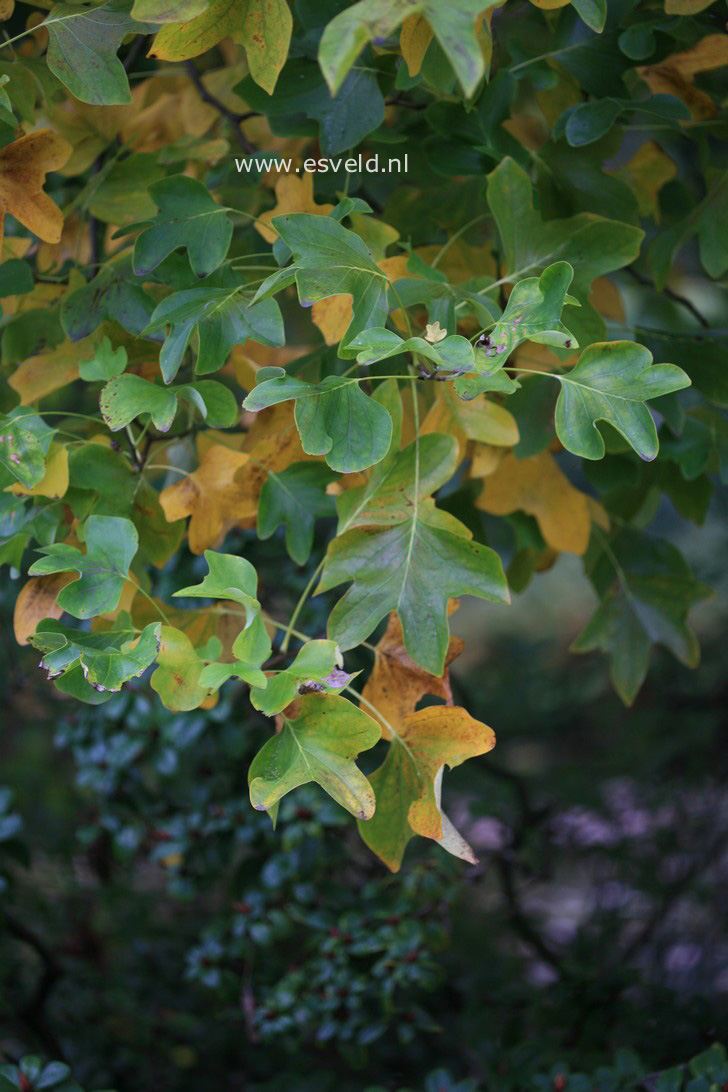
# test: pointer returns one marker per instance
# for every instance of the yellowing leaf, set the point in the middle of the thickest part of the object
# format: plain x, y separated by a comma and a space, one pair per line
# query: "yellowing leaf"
414, 40
36, 601
483, 420
537, 485
54, 482
397, 684
407, 784
646, 173
211, 496
674, 75
686, 7
47, 372
262, 26
177, 679
23, 168
294, 193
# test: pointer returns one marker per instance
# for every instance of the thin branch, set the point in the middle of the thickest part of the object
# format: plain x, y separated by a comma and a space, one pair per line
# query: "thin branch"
235, 119
672, 295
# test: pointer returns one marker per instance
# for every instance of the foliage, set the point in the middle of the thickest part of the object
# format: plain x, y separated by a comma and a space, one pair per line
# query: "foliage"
490, 348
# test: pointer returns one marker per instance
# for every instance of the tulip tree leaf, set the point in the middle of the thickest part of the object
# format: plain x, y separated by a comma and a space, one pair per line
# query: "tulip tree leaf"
334, 418
315, 663
177, 677
127, 396
331, 260
221, 317
320, 738
82, 47
453, 25
406, 785
188, 217
107, 659
646, 590
111, 543
611, 383
295, 497
404, 555
24, 442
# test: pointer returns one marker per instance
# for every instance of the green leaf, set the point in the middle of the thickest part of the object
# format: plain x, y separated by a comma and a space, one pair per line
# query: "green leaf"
533, 313
167, 11
592, 12
330, 261
611, 383
315, 663
453, 353
228, 577
105, 362
646, 590
321, 737
107, 659
334, 418
295, 497
82, 48
187, 217
344, 119
177, 678
127, 396
453, 24
110, 295
405, 555
709, 221
16, 278
111, 543
221, 319
24, 442
591, 244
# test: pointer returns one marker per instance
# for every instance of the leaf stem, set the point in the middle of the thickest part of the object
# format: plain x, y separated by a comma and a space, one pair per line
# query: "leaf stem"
299, 605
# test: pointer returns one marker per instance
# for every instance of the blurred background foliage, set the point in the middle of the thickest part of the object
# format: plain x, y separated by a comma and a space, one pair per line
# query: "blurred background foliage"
160, 935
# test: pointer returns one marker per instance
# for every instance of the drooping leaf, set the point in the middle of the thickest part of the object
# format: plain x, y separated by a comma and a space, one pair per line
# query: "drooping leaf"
646, 590
262, 26
111, 543
407, 784
453, 24
611, 382
320, 738
334, 418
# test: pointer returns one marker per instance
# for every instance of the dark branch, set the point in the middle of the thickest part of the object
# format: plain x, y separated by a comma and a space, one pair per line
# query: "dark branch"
235, 119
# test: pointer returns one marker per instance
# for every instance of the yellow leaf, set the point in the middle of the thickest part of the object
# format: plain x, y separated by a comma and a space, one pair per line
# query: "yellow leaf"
36, 601
537, 485
333, 315
266, 35
249, 358
7, 7
262, 26
23, 168
294, 193
484, 420
397, 684
414, 40
674, 75
88, 129
74, 246
485, 460
646, 173
408, 783
686, 7
210, 496
47, 372
54, 483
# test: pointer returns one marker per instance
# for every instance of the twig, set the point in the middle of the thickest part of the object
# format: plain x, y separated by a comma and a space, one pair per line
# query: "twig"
672, 295
235, 119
